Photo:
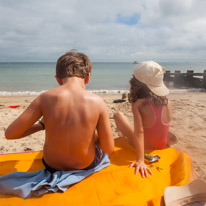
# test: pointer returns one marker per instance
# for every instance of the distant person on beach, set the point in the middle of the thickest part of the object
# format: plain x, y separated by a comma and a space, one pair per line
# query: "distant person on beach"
76, 122
151, 113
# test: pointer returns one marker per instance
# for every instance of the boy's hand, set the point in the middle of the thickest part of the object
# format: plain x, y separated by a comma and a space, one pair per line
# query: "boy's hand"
141, 167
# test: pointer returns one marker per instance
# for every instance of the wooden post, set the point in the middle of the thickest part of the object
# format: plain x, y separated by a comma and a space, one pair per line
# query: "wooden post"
190, 73
167, 76
189, 80
204, 79
177, 78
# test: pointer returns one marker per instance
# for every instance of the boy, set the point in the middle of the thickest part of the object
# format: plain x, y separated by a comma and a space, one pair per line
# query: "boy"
71, 116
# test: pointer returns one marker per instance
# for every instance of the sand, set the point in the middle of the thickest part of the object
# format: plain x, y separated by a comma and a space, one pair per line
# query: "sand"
189, 123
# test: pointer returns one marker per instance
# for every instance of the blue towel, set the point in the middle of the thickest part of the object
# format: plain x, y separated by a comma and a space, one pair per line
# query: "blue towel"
28, 184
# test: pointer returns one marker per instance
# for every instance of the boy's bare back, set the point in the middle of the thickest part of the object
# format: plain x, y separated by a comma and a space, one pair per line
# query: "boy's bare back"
71, 115
71, 119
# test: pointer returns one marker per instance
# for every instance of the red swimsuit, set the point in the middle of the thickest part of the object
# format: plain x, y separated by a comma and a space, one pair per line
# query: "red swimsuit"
155, 136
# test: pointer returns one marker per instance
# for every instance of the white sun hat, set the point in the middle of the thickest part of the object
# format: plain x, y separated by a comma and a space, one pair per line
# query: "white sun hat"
193, 193
151, 74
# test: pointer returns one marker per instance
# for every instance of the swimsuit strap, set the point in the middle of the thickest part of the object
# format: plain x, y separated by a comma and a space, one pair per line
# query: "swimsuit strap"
157, 111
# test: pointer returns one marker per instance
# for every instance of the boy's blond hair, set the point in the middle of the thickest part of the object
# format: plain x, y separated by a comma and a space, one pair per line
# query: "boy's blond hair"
73, 64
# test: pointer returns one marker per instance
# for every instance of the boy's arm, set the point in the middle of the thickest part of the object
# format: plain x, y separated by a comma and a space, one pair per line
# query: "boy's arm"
105, 139
138, 142
24, 124
34, 128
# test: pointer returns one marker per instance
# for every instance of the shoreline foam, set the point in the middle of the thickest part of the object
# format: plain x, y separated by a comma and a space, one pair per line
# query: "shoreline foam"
104, 91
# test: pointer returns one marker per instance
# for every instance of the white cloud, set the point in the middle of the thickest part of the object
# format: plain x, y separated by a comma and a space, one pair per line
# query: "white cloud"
43, 30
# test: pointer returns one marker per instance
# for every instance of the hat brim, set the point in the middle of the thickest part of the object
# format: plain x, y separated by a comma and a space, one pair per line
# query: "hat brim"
159, 91
181, 195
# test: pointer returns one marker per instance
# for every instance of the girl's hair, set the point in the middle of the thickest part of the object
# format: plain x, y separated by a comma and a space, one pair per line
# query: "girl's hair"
139, 90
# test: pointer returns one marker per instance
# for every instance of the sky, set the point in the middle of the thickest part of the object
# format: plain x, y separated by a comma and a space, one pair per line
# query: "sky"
105, 30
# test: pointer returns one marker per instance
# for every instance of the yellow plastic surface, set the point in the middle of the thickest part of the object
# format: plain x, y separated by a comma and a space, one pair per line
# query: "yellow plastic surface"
114, 185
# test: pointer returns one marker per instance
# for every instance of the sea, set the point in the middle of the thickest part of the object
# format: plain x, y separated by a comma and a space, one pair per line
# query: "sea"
33, 78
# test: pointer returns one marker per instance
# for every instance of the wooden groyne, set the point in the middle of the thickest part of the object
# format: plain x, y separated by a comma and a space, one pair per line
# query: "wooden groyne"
188, 79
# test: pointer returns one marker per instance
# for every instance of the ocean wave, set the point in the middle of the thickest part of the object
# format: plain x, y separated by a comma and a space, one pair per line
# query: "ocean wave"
187, 90
21, 93
109, 91
35, 93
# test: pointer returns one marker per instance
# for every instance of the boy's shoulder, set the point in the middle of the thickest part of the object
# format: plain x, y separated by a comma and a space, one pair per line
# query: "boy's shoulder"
95, 97
47, 93
97, 101
87, 94
46, 96
54, 93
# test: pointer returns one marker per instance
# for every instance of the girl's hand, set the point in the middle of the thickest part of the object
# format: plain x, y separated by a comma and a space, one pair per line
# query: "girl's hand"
141, 167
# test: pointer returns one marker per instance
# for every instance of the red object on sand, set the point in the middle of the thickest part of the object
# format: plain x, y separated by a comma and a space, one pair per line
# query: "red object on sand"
14, 106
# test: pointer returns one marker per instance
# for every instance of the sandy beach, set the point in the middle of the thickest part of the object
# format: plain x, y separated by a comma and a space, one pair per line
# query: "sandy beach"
189, 118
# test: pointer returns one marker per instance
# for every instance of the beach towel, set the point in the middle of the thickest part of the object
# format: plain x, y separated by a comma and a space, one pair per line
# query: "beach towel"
114, 185
28, 184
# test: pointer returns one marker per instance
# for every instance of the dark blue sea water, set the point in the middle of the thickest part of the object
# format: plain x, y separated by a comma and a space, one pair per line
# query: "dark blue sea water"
32, 78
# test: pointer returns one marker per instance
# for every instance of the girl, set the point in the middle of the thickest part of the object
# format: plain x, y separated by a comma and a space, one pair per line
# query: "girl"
151, 112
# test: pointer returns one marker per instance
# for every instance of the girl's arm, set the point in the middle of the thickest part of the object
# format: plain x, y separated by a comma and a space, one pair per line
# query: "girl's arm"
138, 141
